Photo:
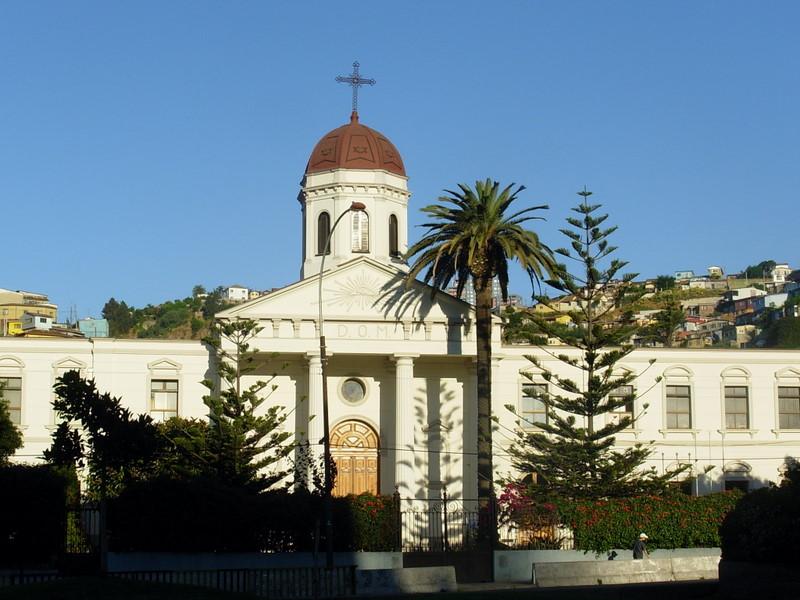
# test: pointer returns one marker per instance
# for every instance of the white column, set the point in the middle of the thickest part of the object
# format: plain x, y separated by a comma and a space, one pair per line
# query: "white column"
404, 425
314, 430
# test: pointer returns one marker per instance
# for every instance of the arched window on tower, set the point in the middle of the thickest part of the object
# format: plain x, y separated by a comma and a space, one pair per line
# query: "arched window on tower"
394, 249
360, 237
323, 231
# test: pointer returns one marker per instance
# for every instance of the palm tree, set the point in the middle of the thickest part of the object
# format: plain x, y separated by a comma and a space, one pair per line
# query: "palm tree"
471, 237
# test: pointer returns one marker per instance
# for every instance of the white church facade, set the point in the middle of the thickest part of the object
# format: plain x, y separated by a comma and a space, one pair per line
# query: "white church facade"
401, 374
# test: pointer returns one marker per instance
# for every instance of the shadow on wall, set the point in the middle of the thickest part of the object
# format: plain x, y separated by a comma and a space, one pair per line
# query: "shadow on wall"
436, 409
734, 474
397, 301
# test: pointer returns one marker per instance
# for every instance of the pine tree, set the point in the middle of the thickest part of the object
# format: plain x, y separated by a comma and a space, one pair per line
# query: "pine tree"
570, 454
666, 321
245, 445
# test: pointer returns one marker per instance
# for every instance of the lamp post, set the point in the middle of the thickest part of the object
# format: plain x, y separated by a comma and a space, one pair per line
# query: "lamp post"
326, 437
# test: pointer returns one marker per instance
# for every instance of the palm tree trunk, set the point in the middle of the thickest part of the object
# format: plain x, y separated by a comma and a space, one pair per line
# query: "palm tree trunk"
483, 310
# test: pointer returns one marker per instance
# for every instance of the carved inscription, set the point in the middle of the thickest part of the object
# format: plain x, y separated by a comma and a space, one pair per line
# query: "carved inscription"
367, 331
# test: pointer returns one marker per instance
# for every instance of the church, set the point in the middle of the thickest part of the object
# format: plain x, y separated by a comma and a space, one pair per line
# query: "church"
401, 378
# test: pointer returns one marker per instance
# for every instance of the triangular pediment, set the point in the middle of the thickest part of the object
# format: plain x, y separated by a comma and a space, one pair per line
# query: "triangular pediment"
359, 290
164, 364
69, 364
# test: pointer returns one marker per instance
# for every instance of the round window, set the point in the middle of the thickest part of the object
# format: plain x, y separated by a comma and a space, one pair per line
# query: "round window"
353, 390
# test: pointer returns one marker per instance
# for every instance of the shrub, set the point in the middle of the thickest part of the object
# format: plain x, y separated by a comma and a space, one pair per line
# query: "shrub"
374, 520
764, 527
192, 515
32, 512
204, 515
671, 521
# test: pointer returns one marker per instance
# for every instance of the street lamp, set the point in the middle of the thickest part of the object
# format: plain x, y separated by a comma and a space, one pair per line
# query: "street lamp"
326, 437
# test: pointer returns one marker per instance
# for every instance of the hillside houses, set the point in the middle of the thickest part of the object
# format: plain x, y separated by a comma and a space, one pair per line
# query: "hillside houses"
729, 312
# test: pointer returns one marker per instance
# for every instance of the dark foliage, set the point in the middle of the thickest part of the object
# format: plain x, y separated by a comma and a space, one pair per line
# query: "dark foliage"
117, 446
32, 511
764, 527
10, 436
783, 333
204, 515
758, 271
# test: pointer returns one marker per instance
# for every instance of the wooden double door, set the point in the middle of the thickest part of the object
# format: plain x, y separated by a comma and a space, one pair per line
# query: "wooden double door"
354, 448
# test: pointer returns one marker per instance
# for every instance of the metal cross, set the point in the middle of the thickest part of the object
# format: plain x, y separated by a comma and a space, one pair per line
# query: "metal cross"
356, 81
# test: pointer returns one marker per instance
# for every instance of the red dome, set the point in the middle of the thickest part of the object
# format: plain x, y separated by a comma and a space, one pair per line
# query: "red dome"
355, 146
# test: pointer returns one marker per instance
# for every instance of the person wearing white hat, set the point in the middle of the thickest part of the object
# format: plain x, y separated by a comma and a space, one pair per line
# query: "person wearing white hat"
640, 547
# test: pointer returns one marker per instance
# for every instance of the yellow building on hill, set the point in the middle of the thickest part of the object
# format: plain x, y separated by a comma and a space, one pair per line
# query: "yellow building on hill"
14, 304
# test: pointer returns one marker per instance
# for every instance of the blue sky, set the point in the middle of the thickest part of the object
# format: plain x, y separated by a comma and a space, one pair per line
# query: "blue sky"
146, 147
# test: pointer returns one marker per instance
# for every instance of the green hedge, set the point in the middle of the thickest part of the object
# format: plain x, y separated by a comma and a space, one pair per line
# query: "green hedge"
764, 527
203, 515
671, 521
32, 514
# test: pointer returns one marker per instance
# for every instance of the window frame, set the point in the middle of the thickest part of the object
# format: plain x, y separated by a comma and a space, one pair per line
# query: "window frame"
530, 424
678, 376
728, 412
631, 404
322, 239
158, 414
669, 413
795, 413
394, 236
787, 377
12, 408
61, 368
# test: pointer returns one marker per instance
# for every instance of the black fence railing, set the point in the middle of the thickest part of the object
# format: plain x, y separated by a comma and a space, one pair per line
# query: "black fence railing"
83, 529
8, 579
438, 524
452, 524
289, 582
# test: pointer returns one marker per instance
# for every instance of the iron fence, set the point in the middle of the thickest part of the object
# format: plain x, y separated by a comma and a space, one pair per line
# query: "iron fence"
22, 578
438, 524
289, 583
83, 529
451, 524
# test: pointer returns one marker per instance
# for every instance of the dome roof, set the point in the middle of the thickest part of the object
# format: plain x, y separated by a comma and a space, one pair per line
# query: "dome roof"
355, 146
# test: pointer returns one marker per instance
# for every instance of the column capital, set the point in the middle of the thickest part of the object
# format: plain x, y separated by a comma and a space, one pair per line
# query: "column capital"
313, 357
403, 358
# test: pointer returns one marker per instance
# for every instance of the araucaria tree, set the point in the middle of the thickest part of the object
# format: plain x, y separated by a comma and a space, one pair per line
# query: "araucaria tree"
246, 442
573, 452
472, 235
665, 322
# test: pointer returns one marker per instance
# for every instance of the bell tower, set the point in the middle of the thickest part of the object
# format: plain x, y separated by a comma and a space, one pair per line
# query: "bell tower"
354, 163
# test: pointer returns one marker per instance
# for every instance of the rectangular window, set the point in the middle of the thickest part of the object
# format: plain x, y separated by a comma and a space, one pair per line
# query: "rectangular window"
12, 394
789, 407
163, 399
534, 404
679, 407
626, 410
736, 407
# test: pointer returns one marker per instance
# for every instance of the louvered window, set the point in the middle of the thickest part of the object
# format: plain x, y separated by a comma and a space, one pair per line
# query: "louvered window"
360, 238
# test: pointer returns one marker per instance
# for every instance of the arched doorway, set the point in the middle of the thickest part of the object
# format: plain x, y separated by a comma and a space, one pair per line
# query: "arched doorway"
354, 448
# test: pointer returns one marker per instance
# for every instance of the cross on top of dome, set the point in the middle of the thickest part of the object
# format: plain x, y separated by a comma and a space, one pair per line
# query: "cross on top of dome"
355, 80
